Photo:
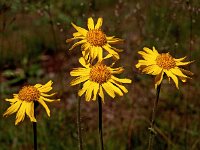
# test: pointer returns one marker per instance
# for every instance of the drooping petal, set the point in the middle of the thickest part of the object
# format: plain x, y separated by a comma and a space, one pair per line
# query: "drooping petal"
13, 108
101, 94
77, 43
96, 89
158, 79
21, 113
174, 78
85, 86
29, 108
108, 89
119, 85
177, 72
116, 89
41, 101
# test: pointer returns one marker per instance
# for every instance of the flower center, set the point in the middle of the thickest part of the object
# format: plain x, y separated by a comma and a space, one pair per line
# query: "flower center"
96, 37
100, 73
165, 61
29, 93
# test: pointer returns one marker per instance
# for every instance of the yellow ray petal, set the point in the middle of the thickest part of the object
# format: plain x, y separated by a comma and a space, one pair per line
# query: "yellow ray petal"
12, 100
48, 95
80, 30
45, 106
116, 89
88, 93
80, 72
77, 43
177, 72
21, 113
180, 59
13, 108
183, 63
79, 80
116, 70
49, 100
29, 107
99, 23
100, 54
158, 79
174, 78
101, 94
116, 55
121, 80
108, 90
83, 62
96, 89
90, 23
119, 85
85, 86
44, 88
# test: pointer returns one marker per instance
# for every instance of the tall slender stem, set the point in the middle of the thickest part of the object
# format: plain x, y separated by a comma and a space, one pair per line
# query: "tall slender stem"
35, 128
100, 123
80, 145
35, 135
152, 134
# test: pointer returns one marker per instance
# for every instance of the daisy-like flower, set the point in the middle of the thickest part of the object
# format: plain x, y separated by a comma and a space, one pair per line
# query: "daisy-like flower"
23, 102
94, 40
98, 78
160, 64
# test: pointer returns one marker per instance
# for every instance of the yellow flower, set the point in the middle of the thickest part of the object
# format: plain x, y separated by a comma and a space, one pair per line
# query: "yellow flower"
94, 41
98, 78
23, 102
158, 64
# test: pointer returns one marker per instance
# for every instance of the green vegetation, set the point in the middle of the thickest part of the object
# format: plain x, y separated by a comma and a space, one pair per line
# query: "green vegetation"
33, 49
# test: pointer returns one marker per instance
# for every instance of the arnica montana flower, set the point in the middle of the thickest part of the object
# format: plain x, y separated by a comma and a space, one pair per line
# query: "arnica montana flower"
98, 78
23, 102
158, 64
94, 41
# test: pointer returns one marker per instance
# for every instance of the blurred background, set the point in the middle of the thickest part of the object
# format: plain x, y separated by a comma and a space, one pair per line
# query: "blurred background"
33, 50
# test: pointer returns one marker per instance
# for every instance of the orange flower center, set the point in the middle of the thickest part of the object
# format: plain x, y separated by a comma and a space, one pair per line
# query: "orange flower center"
29, 93
96, 37
165, 61
100, 73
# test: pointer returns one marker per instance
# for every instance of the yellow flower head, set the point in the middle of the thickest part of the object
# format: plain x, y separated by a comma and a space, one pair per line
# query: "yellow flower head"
23, 102
98, 78
94, 41
158, 64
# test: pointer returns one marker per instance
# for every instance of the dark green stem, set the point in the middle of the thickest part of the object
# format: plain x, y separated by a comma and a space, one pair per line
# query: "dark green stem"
100, 123
152, 131
79, 124
35, 128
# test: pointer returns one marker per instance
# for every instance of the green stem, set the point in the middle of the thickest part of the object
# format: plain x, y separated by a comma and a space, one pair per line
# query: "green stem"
100, 123
152, 131
80, 145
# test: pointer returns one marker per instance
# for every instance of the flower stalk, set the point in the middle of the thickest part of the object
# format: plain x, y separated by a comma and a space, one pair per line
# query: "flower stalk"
100, 123
35, 127
151, 129
80, 145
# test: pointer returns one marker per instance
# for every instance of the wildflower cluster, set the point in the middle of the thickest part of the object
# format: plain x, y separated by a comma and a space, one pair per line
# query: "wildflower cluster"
97, 77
